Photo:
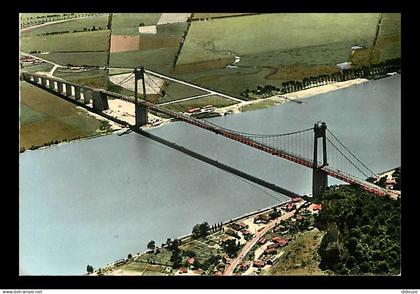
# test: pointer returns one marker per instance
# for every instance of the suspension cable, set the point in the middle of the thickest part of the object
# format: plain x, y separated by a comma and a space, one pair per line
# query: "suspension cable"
352, 153
347, 158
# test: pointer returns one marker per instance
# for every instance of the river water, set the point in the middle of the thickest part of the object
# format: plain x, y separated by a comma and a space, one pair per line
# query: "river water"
97, 200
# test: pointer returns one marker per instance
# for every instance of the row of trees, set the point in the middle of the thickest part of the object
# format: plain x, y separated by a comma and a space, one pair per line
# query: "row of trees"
93, 28
363, 232
369, 72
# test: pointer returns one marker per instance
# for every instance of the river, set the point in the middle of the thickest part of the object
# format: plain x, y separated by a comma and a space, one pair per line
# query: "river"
95, 201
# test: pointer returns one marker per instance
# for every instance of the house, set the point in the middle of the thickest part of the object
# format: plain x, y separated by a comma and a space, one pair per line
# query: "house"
265, 218
290, 207
183, 270
274, 245
316, 207
257, 219
299, 218
191, 260
270, 251
296, 199
219, 273
244, 266
258, 263
281, 241
262, 241
246, 232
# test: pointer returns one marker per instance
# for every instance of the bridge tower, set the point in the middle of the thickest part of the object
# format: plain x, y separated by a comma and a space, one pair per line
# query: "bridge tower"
140, 110
319, 177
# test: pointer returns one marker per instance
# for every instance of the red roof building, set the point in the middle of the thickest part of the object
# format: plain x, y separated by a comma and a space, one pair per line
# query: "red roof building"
258, 263
275, 245
246, 232
290, 207
316, 207
262, 241
281, 241
245, 266
191, 260
296, 199
193, 109
269, 251
183, 270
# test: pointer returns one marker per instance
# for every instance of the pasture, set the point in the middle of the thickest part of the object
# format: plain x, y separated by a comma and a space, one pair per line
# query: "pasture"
78, 24
44, 118
128, 23
73, 42
160, 59
254, 34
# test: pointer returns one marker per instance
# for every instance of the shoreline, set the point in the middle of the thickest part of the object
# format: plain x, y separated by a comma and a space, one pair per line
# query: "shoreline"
303, 94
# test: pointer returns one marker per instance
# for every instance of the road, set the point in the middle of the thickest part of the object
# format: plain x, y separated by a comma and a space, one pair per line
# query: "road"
248, 246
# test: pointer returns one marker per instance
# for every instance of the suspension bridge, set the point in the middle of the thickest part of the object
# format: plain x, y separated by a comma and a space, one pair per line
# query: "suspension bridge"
301, 147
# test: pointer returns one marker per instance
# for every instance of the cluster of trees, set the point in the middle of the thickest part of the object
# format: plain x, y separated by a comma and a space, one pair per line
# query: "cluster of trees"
368, 72
363, 232
231, 247
203, 229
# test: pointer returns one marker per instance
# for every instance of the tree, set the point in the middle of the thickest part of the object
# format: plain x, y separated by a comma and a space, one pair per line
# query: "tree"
230, 247
89, 269
200, 230
151, 245
129, 256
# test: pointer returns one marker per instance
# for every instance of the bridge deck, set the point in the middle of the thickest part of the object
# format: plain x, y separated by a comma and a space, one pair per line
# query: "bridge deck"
229, 134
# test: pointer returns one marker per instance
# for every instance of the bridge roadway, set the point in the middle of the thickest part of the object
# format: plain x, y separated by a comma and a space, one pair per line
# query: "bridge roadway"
223, 132
252, 143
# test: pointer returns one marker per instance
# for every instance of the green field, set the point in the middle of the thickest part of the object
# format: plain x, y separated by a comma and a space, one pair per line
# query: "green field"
78, 58
39, 67
172, 29
160, 59
70, 25
128, 23
260, 33
45, 117
84, 41
177, 91
200, 102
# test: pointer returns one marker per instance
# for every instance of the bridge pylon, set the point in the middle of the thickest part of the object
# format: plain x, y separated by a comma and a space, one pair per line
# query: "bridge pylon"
319, 176
141, 112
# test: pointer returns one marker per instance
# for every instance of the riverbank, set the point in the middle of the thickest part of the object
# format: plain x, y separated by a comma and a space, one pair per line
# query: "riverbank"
278, 99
